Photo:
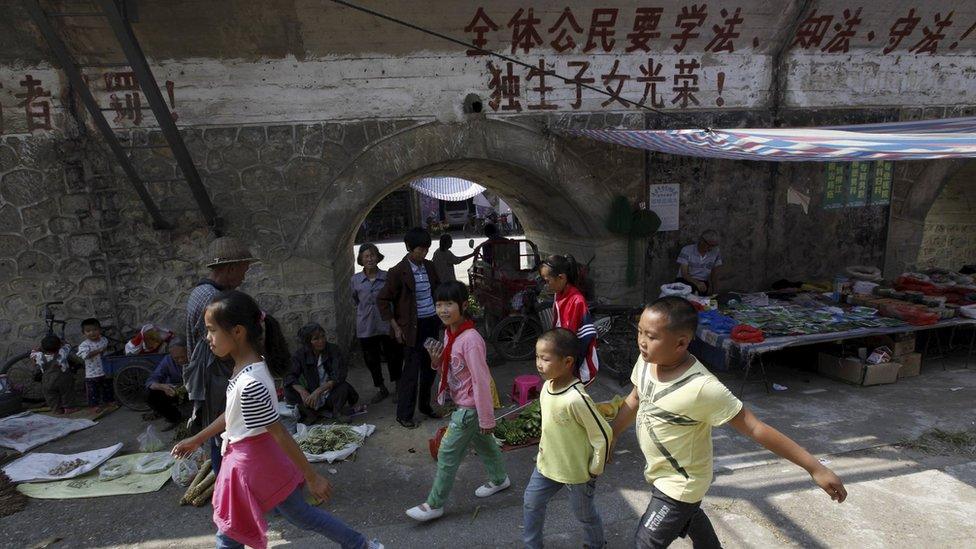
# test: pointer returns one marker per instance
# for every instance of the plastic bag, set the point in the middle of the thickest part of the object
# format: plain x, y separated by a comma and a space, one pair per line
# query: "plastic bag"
186, 468
115, 468
149, 441
154, 463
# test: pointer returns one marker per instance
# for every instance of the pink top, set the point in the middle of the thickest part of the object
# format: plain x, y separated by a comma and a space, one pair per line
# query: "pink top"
245, 491
469, 380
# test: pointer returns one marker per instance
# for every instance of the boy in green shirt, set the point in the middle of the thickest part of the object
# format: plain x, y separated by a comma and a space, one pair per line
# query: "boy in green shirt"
574, 444
676, 401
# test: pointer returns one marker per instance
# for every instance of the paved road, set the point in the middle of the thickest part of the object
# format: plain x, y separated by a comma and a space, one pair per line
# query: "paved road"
898, 498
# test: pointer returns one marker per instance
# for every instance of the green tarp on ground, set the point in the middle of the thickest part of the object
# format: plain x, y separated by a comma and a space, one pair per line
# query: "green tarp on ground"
88, 486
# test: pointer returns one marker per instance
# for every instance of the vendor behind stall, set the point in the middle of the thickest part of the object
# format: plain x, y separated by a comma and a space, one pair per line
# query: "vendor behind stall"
165, 383
698, 264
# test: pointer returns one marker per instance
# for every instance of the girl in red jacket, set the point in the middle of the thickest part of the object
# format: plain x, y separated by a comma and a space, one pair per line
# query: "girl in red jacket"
561, 273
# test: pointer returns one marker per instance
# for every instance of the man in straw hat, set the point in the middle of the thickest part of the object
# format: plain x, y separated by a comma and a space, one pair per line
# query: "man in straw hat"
206, 376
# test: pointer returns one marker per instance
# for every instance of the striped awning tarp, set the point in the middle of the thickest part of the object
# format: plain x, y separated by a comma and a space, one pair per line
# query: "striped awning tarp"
917, 140
451, 189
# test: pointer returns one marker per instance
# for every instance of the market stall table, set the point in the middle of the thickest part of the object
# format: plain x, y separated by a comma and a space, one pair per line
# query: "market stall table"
750, 354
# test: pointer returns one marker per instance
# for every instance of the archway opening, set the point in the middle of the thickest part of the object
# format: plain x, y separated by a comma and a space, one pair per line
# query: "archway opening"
460, 209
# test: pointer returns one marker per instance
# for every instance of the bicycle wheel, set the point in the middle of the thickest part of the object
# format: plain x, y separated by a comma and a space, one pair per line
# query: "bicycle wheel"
515, 337
22, 375
130, 385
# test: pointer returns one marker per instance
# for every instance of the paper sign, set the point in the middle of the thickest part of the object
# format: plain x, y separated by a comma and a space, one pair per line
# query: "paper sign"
664, 201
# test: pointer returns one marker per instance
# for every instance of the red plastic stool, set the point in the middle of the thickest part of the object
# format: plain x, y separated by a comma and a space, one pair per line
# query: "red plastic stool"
526, 388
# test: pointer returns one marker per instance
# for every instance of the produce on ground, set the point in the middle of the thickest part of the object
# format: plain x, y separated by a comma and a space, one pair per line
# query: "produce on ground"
527, 426
66, 467
115, 468
328, 438
203, 482
524, 428
154, 463
11, 501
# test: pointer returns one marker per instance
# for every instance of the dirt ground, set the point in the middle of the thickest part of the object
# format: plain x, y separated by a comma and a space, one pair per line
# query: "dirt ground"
919, 494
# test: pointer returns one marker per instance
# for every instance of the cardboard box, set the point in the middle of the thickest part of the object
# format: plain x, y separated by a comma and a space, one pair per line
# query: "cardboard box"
911, 364
900, 344
852, 370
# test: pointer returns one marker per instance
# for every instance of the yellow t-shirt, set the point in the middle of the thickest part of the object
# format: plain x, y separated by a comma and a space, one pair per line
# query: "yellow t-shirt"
674, 428
575, 437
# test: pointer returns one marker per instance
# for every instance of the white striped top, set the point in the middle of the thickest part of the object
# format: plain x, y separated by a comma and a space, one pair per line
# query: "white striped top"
252, 404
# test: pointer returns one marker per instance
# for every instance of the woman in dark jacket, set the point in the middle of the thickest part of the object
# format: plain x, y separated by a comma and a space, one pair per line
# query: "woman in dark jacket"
317, 382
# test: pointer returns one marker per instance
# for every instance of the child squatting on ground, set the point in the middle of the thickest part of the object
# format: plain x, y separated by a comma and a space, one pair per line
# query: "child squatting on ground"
263, 468
574, 445
464, 374
97, 384
676, 402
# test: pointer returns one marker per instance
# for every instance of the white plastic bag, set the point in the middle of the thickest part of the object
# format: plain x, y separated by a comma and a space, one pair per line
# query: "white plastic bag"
115, 468
154, 463
186, 468
149, 441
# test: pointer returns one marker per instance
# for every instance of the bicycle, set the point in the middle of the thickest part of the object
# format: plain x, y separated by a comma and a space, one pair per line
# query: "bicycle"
617, 336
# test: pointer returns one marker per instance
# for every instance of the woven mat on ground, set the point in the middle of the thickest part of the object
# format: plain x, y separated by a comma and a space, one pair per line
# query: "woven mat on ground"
88, 486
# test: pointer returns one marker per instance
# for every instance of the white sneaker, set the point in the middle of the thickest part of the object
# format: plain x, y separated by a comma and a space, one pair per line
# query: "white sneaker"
424, 512
490, 488
375, 544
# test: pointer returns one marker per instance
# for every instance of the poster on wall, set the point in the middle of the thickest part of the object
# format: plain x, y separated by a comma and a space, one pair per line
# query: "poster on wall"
664, 201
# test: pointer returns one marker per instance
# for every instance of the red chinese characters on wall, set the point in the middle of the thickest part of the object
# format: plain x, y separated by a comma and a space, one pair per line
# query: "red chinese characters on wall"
647, 29
36, 103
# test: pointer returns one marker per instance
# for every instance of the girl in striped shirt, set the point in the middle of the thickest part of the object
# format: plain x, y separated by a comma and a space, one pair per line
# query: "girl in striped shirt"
262, 468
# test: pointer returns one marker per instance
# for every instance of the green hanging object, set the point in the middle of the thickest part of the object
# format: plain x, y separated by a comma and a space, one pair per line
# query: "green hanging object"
619, 221
644, 223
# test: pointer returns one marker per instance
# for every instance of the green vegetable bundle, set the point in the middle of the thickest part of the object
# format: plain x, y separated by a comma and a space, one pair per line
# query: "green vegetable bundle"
524, 428
322, 439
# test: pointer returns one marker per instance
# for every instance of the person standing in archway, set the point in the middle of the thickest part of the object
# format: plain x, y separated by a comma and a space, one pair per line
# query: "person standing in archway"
445, 260
374, 332
206, 376
407, 303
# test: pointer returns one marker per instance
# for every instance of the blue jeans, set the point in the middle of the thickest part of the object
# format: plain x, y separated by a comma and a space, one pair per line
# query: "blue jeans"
537, 495
306, 517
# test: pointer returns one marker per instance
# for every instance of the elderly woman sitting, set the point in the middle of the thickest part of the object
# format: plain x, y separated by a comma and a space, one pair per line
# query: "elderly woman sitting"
317, 382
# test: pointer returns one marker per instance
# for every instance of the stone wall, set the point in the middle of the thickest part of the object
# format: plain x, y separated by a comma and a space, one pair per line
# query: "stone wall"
72, 229
949, 238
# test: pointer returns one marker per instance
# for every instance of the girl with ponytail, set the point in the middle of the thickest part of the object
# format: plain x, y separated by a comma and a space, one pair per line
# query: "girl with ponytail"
561, 274
263, 468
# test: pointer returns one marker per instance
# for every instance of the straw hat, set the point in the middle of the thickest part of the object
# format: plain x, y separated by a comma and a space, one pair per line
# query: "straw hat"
226, 250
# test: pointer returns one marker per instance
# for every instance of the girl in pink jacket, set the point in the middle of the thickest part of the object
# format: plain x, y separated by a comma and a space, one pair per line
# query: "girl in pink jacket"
466, 379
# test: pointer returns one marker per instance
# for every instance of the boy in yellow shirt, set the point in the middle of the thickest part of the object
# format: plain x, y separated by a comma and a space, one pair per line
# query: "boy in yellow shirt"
574, 444
676, 401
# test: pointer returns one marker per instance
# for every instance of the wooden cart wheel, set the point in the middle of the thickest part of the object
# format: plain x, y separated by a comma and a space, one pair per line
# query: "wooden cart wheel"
130, 384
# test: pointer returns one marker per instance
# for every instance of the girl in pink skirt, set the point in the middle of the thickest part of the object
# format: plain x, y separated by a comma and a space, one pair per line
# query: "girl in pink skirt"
263, 468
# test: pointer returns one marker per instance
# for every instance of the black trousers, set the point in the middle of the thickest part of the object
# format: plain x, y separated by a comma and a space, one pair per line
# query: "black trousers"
694, 289
164, 405
417, 377
381, 347
667, 519
341, 396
